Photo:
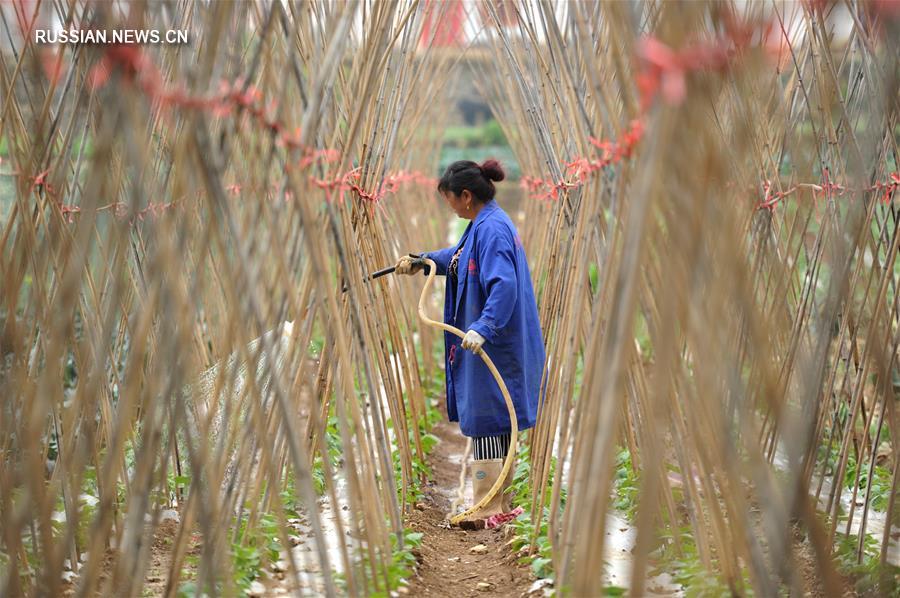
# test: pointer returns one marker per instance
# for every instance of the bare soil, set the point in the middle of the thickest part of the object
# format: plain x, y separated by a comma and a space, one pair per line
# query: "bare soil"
447, 567
157, 573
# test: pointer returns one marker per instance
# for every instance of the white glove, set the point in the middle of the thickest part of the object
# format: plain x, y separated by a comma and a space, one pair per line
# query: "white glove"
472, 341
409, 265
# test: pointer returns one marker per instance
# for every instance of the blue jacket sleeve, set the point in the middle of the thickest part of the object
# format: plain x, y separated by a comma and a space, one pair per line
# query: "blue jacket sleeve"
497, 275
441, 259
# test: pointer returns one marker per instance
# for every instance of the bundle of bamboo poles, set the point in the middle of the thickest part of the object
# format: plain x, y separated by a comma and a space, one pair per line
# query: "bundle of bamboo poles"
741, 336
183, 220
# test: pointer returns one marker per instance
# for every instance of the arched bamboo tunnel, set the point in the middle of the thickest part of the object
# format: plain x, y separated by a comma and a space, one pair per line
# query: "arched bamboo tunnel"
709, 207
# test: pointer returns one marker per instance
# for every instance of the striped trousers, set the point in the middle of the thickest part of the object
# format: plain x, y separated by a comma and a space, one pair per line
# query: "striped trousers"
491, 447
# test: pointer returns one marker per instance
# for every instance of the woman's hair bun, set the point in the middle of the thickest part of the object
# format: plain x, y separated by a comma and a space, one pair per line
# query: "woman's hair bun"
492, 170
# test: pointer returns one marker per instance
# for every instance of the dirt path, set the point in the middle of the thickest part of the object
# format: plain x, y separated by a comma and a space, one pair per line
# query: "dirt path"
447, 566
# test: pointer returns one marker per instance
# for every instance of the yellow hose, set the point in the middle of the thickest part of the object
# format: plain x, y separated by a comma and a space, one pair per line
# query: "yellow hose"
510, 455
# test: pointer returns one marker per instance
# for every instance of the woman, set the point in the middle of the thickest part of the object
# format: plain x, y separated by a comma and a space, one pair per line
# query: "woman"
489, 295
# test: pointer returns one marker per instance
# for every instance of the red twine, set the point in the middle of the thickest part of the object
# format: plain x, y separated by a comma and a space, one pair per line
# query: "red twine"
581, 168
826, 187
137, 69
349, 182
663, 70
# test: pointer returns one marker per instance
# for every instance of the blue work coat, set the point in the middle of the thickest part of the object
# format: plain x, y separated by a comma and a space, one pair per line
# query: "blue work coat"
495, 298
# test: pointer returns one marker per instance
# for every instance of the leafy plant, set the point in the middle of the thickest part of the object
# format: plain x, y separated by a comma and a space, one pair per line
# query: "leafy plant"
870, 576
254, 548
541, 561
626, 484
247, 563
687, 568
881, 482
402, 565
